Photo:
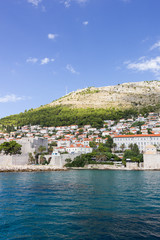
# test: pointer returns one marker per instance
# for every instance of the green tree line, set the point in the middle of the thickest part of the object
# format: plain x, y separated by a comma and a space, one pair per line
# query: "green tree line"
63, 115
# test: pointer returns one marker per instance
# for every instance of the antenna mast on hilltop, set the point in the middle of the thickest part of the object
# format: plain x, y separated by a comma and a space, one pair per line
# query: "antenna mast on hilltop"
66, 91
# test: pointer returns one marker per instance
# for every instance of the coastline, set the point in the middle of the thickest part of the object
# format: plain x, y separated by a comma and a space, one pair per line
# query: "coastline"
44, 168
31, 168
107, 167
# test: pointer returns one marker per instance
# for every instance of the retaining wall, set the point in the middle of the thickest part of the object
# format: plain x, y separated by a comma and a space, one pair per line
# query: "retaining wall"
7, 160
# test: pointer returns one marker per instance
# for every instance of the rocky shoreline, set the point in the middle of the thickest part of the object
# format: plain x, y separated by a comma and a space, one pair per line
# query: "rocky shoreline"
30, 168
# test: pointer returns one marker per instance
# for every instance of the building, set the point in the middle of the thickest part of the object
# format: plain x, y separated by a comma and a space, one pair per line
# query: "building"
79, 148
31, 145
63, 143
142, 140
151, 159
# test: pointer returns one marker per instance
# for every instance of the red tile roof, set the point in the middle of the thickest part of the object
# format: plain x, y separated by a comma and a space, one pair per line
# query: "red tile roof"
137, 135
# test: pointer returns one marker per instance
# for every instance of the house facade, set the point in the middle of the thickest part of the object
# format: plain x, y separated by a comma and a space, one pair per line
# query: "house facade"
141, 140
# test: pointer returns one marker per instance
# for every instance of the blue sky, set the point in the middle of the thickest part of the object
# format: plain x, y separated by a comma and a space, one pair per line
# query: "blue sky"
48, 47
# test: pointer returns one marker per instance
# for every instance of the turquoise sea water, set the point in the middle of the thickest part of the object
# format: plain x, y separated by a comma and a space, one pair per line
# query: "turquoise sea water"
88, 204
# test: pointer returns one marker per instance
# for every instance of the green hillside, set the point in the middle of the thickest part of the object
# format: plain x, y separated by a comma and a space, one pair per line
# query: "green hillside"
63, 115
93, 106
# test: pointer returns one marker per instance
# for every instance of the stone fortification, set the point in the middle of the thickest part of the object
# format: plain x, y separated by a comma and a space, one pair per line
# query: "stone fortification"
151, 158
59, 161
8, 161
31, 145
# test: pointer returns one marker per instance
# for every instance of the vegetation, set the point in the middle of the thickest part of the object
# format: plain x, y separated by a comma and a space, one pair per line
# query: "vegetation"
63, 115
133, 153
101, 155
41, 149
31, 158
10, 148
139, 124
89, 91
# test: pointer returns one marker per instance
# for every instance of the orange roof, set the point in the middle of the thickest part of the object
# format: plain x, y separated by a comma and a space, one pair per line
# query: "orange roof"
80, 145
137, 135
63, 139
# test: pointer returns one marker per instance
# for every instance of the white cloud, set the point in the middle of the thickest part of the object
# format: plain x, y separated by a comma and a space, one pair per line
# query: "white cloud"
143, 64
71, 69
67, 3
156, 45
11, 98
34, 2
32, 60
85, 23
52, 36
45, 61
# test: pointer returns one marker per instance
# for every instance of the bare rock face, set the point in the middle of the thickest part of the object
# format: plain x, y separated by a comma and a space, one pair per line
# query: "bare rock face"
124, 95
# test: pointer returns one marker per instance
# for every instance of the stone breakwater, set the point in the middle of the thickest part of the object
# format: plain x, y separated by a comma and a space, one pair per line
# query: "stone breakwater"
30, 168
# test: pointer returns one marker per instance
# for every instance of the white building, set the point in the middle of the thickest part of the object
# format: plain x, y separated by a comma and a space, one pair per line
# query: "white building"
74, 127
79, 148
63, 143
141, 140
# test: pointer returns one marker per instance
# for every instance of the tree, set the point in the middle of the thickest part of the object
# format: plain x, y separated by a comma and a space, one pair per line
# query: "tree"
68, 160
80, 131
149, 131
122, 146
109, 142
131, 146
93, 145
41, 149
50, 149
31, 158
114, 146
54, 144
43, 160
101, 158
139, 132
103, 148
10, 148
133, 154
135, 149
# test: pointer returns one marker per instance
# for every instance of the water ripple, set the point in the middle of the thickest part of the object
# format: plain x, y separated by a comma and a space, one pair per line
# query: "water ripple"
86, 205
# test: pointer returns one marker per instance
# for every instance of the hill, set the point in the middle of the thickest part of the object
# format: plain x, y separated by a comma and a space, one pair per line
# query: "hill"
124, 95
93, 106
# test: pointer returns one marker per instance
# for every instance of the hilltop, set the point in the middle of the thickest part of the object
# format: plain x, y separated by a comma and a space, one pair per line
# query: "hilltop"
93, 105
124, 95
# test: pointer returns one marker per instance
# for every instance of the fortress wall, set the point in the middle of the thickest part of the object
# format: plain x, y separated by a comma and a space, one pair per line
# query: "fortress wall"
20, 159
5, 160
151, 161
59, 161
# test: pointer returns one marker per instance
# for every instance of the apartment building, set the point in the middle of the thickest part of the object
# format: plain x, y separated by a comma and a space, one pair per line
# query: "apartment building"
142, 140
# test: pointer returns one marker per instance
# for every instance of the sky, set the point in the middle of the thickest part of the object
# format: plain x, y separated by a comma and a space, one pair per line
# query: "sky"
52, 47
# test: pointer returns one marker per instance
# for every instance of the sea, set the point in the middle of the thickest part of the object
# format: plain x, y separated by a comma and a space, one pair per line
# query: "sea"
80, 204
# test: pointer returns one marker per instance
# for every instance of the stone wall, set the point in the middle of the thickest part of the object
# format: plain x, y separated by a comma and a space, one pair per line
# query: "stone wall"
7, 160
30, 145
132, 165
151, 161
59, 161
20, 159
